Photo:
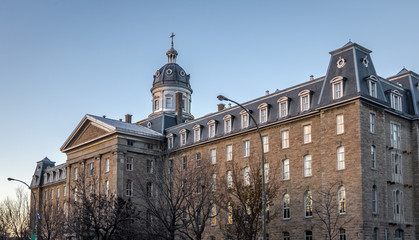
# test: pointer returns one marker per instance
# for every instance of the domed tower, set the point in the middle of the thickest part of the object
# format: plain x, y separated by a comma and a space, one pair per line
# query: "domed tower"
172, 82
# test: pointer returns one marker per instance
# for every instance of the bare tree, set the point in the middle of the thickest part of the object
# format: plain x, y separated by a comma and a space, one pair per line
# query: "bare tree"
241, 200
99, 215
15, 214
52, 221
331, 209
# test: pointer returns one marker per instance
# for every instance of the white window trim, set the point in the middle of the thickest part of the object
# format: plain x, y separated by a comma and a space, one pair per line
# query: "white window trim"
265, 140
211, 125
170, 141
286, 169
372, 118
246, 176
183, 137
263, 107
395, 136
342, 209
228, 123
307, 138
197, 132
374, 200
396, 100
373, 157
245, 124
107, 164
283, 100
340, 124
308, 170
246, 148
396, 159
303, 94
372, 85
213, 159
340, 157
337, 81
229, 154
287, 139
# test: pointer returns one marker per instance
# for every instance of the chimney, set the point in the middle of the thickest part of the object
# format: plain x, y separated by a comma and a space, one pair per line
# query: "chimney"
128, 118
179, 103
311, 77
220, 106
266, 92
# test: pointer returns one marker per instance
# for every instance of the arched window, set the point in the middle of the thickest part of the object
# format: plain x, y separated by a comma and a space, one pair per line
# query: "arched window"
308, 203
398, 205
286, 206
342, 199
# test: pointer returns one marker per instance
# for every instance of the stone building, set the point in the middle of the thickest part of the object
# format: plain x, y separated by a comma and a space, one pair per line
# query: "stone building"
350, 130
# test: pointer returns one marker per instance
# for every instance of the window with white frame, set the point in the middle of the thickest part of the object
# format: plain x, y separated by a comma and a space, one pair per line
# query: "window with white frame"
184, 163
398, 211
213, 156
227, 123
90, 168
285, 139
265, 140
76, 173
150, 166
307, 134
340, 127
197, 159
396, 100
246, 148
75, 194
307, 166
197, 133
246, 176
156, 104
64, 191
396, 165
106, 188
266, 166
263, 113
52, 194
229, 179
244, 119
211, 128
372, 122
169, 141
372, 85
341, 157
58, 192
107, 165
169, 101
285, 169
283, 106
395, 135
373, 157
129, 165
128, 189
374, 200
304, 100
286, 204
308, 204
337, 86
183, 134
214, 182
342, 199
229, 152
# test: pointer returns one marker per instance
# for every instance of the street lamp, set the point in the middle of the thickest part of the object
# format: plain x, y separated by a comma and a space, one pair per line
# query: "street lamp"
223, 98
34, 199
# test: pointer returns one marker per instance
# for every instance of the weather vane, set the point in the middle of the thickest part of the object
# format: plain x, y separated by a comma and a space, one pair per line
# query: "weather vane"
172, 36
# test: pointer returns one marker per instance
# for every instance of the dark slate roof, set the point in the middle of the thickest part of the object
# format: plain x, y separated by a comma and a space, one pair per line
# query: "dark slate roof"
171, 74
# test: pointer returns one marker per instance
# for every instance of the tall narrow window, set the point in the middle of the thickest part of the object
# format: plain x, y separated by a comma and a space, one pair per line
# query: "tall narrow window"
246, 176
308, 204
398, 206
396, 162
246, 148
340, 127
150, 166
213, 215
197, 133
91, 167
374, 200
304, 100
183, 135
265, 140
342, 199
227, 123
58, 192
372, 85
76, 173
130, 162
149, 189
373, 157
283, 107
64, 191
170, 166
285, 169
184, 163
341, 157
263, 113
285, 236
214, 182
106, 188
372, 123
198, 160
211, 128
244, 119
399, 234
169, 101
229, 213
156, 104
307, 166
286, 200
107, 165
229, 152
170, 141
213, 156
342, 234
52, 194
308, 235
375, 234
285, 139
266, 172
128, 189
396, 100
229, 179
307, 133
395, 135
337, 86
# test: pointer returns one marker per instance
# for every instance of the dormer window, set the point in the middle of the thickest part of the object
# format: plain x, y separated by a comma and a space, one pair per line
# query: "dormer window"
337, 86
372, 85
244, 119
183, 134
396, 100
197, 133
304, 100
227, 123
211, 128
263, 112
169, 141
283, 107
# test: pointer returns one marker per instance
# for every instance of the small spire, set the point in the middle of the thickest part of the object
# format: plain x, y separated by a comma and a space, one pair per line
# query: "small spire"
172, 53
172, 36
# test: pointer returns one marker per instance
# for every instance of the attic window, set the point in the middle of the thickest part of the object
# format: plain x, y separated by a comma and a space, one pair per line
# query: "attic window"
169, 141
183, 135
244, 118
283, 106
372, 85
396, 100
337, 86
304, 100
227, 123
197, 133
211, 128
263, 112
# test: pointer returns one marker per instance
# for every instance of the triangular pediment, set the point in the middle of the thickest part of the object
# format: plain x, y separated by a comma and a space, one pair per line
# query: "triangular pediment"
86, 132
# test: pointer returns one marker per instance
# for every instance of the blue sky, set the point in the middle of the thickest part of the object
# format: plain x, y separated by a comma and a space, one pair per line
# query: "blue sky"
60, 60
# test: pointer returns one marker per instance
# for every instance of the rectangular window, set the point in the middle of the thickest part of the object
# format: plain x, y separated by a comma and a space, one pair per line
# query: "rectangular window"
229, 179
130, 162
213, 156
91, 167
395, 135
340, 124
374, 200
197, 135
64, 191
184, 163
307, 133
285, 169
229, 152
150, 166
198, 160
76, 174
227, 125
170, 166
149, 189
372, 123
396, 163
265, 140
170, 142
214, 182
130, 143
58, 192
396, 102
183, 138
266, 172
211, 130
168, 102
263, 115
305, 103
246, 176
341, 158
107, 165
307, 166
285, 139
106, 188
128, 190
337, 90
52, 193
373, 88
373, 157
246, 148
213, 215
283, 109
229, 214
245, 120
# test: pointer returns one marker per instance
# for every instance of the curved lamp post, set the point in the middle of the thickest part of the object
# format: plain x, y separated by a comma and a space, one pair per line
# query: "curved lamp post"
223, 98
34, 199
